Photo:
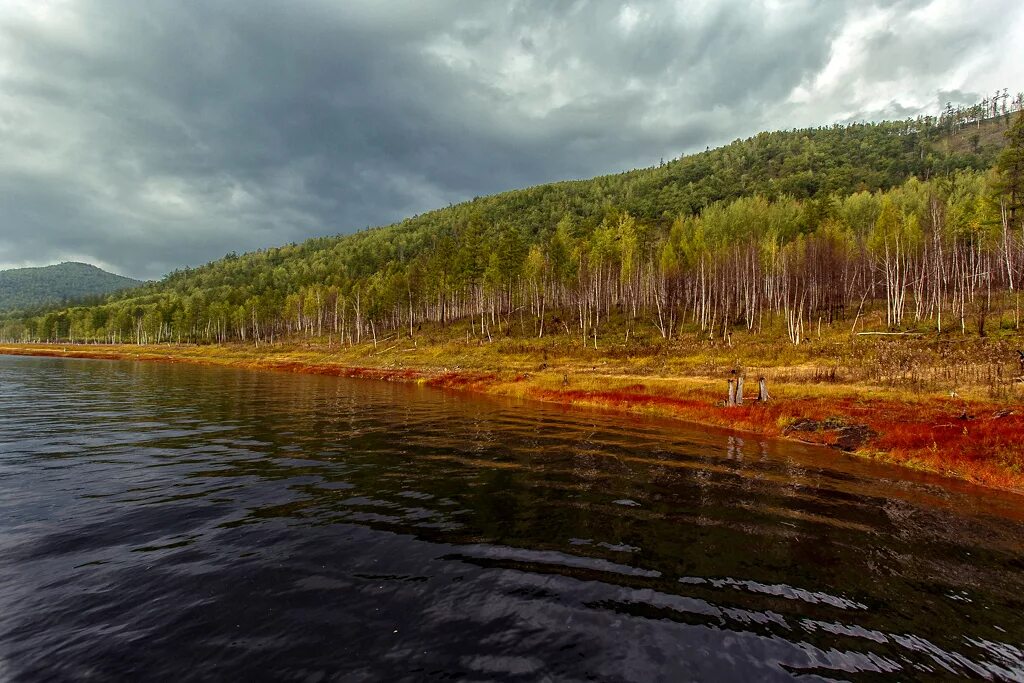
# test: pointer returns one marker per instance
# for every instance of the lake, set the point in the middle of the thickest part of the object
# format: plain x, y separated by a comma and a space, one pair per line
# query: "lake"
175, 522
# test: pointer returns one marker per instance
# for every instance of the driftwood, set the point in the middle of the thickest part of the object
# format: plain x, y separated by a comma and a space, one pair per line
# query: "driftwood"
388, 349
890, 334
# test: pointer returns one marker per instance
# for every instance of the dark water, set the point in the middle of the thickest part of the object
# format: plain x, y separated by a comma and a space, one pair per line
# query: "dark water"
172, 522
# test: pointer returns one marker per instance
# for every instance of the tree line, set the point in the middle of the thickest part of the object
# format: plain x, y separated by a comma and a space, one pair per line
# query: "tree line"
943, 247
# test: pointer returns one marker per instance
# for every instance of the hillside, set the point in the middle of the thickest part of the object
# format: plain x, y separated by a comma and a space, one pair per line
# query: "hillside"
641, 242
802, 164
22, 288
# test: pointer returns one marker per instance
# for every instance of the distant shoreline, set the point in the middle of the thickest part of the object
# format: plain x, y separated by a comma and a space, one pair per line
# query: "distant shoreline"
974, 440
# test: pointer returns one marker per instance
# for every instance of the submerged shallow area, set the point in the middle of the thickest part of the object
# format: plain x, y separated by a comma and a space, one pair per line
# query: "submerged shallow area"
177, 521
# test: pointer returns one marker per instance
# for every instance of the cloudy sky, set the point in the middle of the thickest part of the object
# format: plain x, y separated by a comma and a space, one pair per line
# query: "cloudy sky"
145, 136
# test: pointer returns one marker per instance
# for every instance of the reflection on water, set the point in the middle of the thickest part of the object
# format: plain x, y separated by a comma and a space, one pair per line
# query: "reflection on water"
180, 522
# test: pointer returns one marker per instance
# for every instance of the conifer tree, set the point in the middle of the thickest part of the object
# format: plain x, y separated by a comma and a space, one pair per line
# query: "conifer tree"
1011, 170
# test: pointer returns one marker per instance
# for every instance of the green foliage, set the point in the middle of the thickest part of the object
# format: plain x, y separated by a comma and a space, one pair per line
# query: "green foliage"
614, 240
1011, 170
32, 287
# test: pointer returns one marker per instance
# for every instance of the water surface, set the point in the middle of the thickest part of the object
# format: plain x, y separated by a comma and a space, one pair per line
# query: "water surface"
162, 522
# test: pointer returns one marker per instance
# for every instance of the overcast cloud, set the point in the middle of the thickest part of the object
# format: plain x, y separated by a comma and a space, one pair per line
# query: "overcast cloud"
146, 136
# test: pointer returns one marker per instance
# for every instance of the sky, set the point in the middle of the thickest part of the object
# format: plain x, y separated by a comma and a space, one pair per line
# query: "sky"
148, 136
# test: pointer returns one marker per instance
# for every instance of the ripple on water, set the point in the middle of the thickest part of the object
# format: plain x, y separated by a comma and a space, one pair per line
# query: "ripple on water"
183, 522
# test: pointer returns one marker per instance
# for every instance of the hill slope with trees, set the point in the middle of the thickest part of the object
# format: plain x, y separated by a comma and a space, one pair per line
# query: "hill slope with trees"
916, 218
22, 288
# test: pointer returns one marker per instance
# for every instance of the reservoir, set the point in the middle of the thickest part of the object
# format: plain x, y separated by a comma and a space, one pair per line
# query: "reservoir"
177, 522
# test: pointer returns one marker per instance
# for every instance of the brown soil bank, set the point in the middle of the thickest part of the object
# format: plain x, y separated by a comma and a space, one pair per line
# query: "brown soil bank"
974, 438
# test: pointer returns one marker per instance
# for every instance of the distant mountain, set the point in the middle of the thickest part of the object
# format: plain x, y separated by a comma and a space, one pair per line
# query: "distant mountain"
29, 287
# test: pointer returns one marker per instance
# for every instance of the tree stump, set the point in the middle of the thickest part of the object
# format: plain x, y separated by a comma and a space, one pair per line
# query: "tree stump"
762, 390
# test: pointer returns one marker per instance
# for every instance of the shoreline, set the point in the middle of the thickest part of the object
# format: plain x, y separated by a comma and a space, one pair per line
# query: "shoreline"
973, 440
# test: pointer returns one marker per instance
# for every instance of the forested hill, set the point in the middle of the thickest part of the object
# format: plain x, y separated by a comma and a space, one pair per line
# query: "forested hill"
813, 163
663, 244
31, 287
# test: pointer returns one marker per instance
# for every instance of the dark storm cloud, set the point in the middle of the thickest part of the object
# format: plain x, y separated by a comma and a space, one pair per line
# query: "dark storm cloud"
146, 136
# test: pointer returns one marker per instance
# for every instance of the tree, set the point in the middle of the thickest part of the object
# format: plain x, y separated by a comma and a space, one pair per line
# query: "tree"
1011, 170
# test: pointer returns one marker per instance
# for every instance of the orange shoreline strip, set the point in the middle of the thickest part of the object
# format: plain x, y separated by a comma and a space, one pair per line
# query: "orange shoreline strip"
974, 441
